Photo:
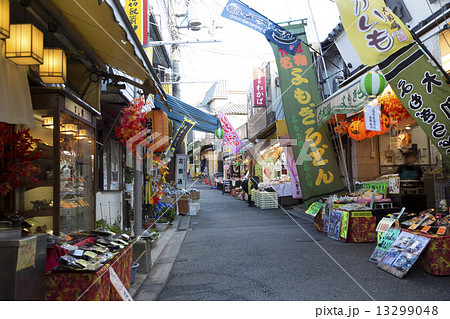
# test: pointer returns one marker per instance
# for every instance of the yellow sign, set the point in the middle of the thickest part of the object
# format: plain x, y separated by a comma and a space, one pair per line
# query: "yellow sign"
26, 255
373, 29
137, 12
344, 225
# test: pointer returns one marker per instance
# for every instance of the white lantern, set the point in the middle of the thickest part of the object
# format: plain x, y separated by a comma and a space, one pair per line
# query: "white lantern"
4, 19
54, 68
25, 45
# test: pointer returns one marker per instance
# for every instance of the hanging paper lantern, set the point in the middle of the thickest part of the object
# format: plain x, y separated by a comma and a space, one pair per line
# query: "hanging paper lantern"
372, 84
219, 133
357, 131
156, 123
385, 124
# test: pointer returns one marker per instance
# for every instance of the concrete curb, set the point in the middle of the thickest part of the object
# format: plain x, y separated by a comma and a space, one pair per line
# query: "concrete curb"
156, 252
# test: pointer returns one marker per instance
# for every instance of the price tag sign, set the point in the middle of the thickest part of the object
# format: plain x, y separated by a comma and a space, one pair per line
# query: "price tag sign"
413, 226
441, 230
425, 229
90, 254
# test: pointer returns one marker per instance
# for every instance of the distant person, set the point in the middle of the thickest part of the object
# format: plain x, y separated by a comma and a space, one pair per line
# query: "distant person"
247, 186
409, 170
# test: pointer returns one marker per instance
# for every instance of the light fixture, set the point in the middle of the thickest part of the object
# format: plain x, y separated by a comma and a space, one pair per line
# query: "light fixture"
69, 129
54, 68
82, 134
407, 127
4, 19
25, 45
48, 121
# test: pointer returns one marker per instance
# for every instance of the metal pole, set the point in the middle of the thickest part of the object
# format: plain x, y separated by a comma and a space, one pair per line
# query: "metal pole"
425, 49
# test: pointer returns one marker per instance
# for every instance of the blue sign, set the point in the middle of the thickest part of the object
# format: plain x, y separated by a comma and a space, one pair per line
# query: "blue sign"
239, 12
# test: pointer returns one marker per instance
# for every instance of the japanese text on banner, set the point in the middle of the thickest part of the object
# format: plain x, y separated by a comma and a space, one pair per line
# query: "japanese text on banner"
373, 29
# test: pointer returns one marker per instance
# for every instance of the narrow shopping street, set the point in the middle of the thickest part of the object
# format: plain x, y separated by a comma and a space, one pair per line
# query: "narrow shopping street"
235, 252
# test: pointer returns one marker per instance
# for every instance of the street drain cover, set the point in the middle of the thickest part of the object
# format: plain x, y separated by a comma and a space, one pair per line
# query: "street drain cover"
303, 240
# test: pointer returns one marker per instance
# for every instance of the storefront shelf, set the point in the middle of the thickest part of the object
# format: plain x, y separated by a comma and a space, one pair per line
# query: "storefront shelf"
37, 212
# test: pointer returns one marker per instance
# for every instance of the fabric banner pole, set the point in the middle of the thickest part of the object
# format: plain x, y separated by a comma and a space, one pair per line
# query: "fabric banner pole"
315, 157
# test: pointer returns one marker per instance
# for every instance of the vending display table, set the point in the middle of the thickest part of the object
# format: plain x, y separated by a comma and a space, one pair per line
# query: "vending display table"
435, 259
85, 285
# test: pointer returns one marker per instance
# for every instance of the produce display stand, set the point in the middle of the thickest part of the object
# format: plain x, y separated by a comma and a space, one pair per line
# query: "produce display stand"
72, 285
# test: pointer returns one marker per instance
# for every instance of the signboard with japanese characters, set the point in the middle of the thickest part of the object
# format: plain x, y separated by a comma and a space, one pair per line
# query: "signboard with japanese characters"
349, 99
181, 171
421, 88
137, 12
373, 29
178, 139
259, 87
372, 117
230, 136
239, 12
314, 154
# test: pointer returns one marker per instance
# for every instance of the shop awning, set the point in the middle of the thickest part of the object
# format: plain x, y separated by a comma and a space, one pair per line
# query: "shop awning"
109, 34
180, 110
347, 100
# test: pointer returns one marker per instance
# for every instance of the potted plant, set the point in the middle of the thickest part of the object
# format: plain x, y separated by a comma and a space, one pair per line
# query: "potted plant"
161, 224
154, 238
169, 213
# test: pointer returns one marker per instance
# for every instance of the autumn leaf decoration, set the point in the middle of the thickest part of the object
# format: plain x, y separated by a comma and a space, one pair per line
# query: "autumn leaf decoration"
392, 105
132, 123
16, 157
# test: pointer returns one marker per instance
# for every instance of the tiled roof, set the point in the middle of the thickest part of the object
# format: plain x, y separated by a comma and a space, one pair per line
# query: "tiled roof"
232, 108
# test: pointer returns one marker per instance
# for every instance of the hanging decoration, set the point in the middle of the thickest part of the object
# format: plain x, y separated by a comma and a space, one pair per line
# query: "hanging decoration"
25, 45
385, 124
54, 68
17, 158
357, 130
368, 133
132, 123
342, 127
392, 105
372, 84
219, 133
157, 125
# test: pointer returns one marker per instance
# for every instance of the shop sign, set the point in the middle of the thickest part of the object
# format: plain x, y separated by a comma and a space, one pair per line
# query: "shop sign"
181, 171
317, 167
344, 225
241, 13
373, 29
314, 209
118, 286
26, 253
347, 100
334, 224
379, 186
179, 137
372, 116
403, 253
226, 186
230, 137
394, 185
76, 109
137, 12
421, 88
384, 244
259, 87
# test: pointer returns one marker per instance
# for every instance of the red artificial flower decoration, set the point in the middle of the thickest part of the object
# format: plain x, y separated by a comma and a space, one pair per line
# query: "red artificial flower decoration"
132, 123
16, 158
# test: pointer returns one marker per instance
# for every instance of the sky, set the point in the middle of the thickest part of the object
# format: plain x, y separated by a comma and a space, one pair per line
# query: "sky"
241, 48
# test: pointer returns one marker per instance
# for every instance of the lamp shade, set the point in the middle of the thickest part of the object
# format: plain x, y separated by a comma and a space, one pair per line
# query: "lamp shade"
54, 68
25, 45
4, 19
219, 133
156, 123
372, 83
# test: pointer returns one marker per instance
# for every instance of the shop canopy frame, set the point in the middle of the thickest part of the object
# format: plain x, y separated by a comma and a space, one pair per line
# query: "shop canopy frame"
108, 37
180, 110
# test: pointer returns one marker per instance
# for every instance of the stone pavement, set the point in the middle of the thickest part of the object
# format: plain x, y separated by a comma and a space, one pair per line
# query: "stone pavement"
235, 252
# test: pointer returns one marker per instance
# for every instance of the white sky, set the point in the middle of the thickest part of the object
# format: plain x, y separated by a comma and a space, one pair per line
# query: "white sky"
242, 48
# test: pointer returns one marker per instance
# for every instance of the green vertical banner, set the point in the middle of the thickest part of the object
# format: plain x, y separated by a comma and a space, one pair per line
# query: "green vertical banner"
423, 92
315, 158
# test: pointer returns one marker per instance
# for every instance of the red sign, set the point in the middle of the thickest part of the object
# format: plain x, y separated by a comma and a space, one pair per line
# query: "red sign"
259, 87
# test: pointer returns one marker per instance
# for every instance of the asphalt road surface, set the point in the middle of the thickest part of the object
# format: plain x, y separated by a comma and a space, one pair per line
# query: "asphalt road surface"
235, 252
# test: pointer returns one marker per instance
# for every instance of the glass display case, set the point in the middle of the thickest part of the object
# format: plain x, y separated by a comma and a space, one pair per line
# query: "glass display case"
76, 175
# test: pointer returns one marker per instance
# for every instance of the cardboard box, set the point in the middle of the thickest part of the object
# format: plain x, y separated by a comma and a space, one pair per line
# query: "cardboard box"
183, 206
195, 195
